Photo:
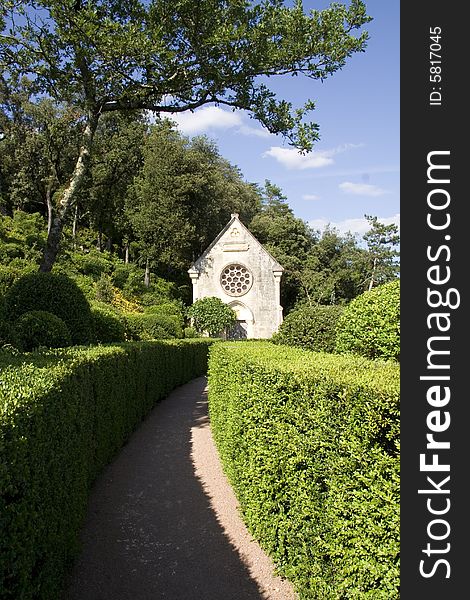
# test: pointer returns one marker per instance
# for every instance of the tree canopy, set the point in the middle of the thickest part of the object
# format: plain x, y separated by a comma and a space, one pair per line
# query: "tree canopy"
168, 56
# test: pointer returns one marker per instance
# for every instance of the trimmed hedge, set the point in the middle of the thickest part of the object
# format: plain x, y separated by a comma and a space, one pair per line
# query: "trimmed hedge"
310, 327
41, 328
63, 416
152, 326
55, 293
370, 324
309, 442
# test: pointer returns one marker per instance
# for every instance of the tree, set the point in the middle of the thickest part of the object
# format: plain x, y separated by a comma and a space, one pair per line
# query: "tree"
117, 160
38, 152
103, 56
382, 241
183, 197
333, 271
211, 315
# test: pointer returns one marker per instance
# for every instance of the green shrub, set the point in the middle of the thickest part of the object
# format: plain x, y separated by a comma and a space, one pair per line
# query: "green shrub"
104, 289
173, 307
134, 285
93, 263
55, 293
189, 332
211, 315
38, 328
149, 326
310, 327
22, 237
7, 278
85, 283
122, 271
107, 325
63, 416
159, 291
7, 334
309, 442
370, 324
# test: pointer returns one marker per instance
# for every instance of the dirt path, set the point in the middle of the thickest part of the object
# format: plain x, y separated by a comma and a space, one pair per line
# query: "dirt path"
163, 522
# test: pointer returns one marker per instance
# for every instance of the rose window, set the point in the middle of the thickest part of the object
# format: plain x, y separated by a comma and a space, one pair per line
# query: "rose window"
236, 280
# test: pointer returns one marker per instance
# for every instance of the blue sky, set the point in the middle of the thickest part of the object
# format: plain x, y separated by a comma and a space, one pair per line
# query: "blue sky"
354, 168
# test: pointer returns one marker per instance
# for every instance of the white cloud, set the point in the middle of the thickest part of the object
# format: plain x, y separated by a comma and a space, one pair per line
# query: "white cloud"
356, 226
292, 159
205, 119
310, 197
361, 189
210, 118
256, 131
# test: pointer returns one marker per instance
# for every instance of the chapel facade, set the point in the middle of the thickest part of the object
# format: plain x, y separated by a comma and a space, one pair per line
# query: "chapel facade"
238, 270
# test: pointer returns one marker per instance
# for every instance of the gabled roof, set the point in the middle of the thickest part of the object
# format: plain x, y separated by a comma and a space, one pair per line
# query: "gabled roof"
234, 219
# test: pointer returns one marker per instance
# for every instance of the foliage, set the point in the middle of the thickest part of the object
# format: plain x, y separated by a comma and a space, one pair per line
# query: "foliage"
334, 270
104, 289
55, 293
91, 263
63, 416
370, 325
117, 158
211, 315
107, 325
38, 328
154, 326
173, 308
22, 236
167, 59
7, 277
382, 241
39, 148
189, 332
7, 334
310, 444
310, 327
123, 272
183, 197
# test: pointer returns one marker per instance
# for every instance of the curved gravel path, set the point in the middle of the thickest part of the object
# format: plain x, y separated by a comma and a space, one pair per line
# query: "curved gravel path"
163, 521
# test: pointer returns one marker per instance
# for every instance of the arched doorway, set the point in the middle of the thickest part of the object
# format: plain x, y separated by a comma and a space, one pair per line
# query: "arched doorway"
243, 328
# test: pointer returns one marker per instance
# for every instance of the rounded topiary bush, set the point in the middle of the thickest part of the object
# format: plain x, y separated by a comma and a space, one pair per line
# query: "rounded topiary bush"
107, 326
189, 332
41, 328
310, 327
211, 315
55, 293
370, 324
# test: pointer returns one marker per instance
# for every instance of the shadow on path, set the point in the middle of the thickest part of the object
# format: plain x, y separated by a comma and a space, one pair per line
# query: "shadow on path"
150, 531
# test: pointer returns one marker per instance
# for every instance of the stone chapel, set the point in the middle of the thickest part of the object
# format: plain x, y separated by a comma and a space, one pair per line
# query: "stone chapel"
238, 270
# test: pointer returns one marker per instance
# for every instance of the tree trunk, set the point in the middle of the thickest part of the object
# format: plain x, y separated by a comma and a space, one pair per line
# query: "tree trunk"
69, 196
147, 274
126, 253
49, 206
372, 281
74, 227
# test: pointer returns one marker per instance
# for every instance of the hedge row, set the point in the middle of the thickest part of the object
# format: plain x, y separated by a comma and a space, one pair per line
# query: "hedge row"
309, 442
63, 415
